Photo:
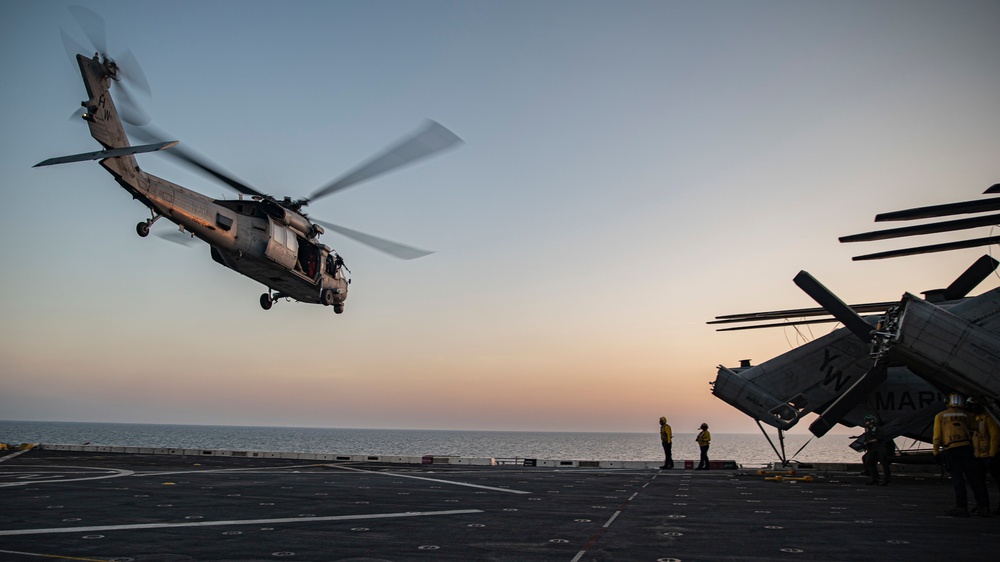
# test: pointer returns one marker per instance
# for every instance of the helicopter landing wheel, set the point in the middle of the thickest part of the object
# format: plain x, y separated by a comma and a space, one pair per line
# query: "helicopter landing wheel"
338, 308
327, 297
265, 301
142, 229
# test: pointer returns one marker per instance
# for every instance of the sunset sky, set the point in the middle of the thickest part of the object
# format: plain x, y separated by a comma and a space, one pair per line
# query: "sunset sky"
630, 170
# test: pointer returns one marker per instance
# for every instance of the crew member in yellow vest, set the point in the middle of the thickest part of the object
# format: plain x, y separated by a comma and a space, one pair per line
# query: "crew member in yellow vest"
703, 438
986, 442
953, 442
667, 440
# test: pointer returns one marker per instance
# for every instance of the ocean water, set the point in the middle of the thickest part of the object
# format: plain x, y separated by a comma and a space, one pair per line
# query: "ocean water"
746, 449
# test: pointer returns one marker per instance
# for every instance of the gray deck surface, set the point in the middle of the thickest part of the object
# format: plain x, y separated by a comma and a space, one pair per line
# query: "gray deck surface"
104, 506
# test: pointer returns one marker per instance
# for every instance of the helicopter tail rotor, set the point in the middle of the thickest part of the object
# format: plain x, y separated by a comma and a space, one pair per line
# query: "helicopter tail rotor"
124, 69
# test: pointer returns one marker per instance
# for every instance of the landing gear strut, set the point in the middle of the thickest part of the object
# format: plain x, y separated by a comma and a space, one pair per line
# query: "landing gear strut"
266, 300
142, 229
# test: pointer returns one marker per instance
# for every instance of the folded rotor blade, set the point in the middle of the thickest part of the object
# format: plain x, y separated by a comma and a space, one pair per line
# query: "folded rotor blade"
429, 140
777, 325
798, 313
961, 208
848, 400
962, 244
971, 278
837, 308
394, 249
947, 226
195, 160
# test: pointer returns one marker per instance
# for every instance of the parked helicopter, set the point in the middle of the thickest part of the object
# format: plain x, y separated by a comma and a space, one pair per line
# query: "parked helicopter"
268, 239
898, 363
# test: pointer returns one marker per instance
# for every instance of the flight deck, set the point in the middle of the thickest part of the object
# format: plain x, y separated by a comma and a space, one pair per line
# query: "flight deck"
142, 507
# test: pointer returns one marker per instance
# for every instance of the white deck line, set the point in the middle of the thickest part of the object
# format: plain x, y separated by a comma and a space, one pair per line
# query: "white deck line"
451, 482
235, 522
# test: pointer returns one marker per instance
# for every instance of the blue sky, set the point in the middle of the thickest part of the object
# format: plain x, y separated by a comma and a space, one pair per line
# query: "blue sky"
631, 169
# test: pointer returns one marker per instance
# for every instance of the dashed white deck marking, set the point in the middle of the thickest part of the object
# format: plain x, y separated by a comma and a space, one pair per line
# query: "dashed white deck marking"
140, 526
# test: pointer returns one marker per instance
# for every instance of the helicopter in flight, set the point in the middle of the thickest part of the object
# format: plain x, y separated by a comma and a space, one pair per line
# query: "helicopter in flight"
268, 239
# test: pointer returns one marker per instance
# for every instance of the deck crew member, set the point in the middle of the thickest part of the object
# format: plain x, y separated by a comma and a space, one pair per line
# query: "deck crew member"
986, 442
703, 438
667, 440
953, 442
876, 452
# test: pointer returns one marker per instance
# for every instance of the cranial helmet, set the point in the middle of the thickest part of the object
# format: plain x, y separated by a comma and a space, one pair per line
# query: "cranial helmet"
956, 400
663, 420
704, 426
869, 418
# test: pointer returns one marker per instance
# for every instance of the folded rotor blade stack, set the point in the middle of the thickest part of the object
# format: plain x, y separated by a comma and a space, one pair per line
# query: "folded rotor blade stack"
976, 207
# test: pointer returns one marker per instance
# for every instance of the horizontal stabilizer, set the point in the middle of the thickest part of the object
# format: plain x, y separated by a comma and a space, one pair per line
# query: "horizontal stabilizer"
108, 153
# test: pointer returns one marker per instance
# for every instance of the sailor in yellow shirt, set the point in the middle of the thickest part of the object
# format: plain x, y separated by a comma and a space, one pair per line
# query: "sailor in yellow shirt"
986, 442
953, 442
703, 438
667, 439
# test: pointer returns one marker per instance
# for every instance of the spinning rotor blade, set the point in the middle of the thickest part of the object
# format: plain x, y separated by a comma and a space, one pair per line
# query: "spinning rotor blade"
433, 138
178, 237
92, 26
394, 249
187, 156
128, 65
130, 111
72, 47
834, 305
